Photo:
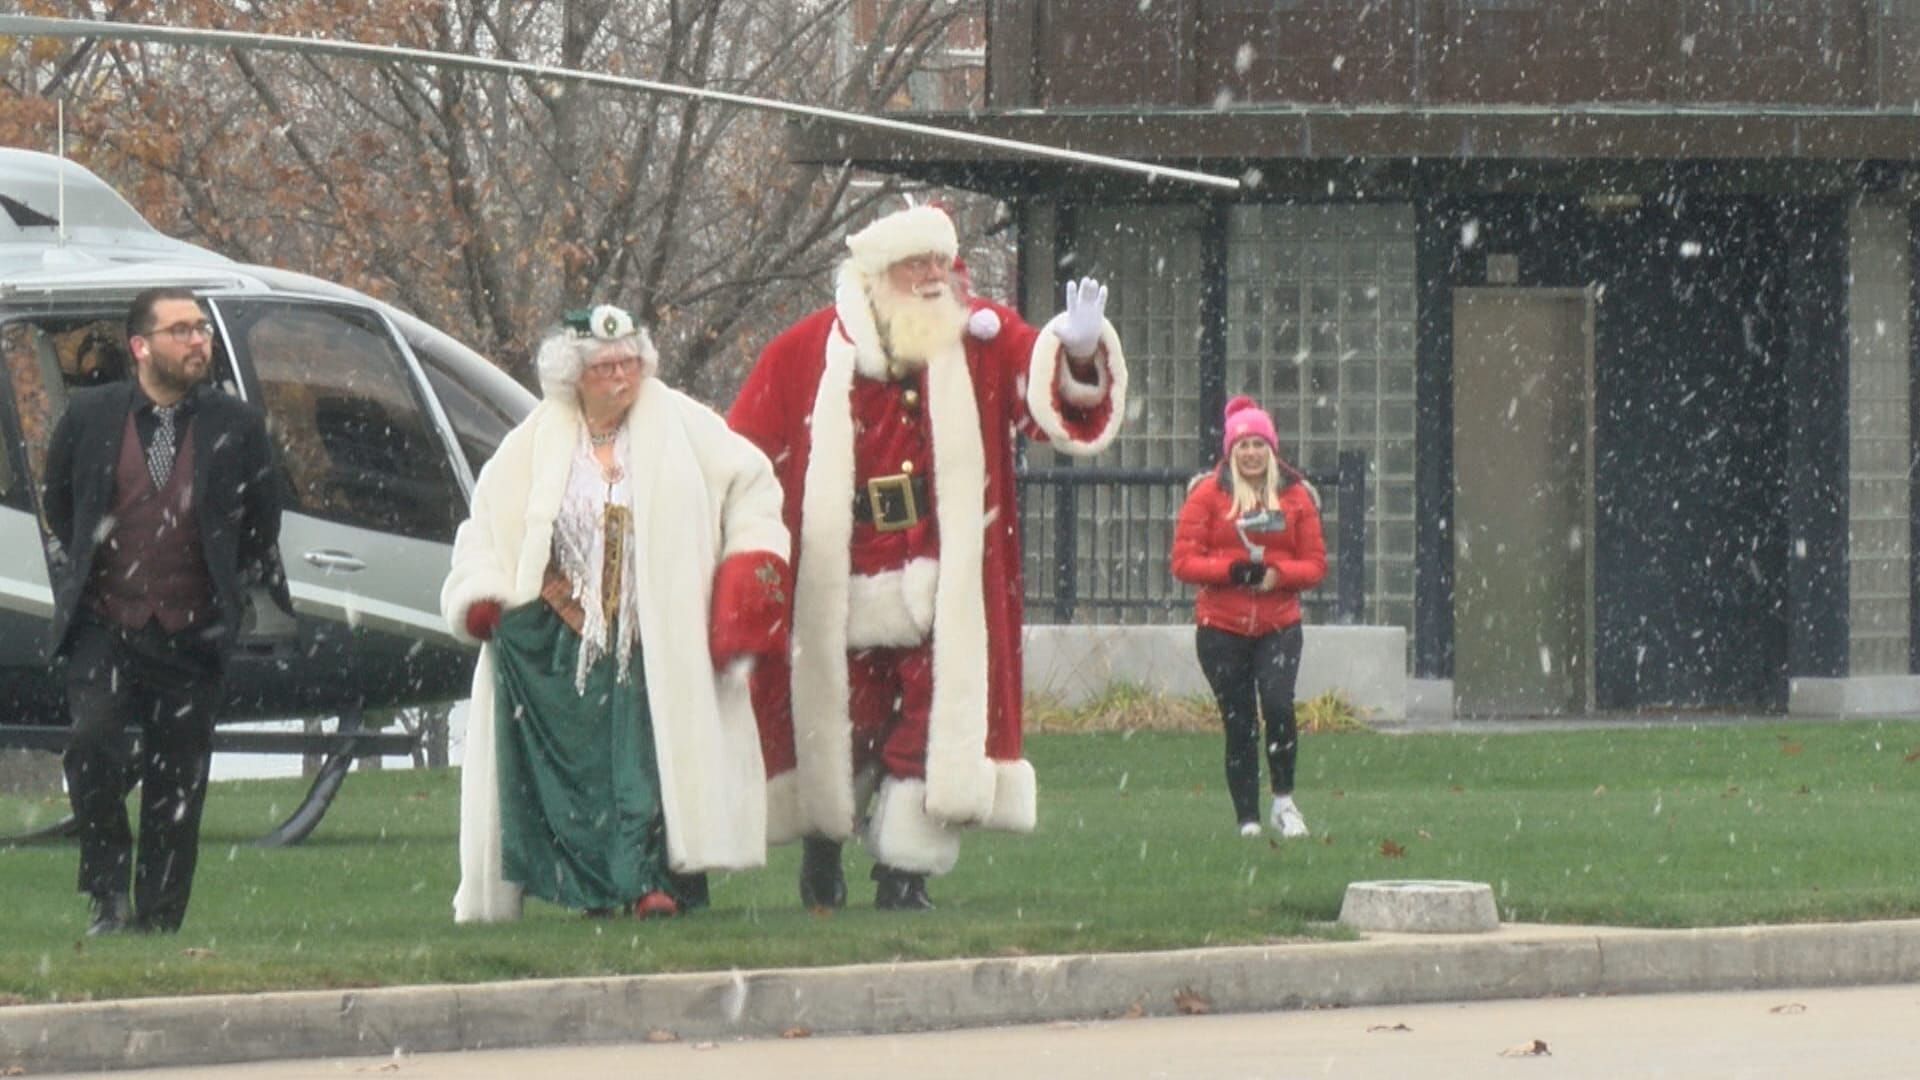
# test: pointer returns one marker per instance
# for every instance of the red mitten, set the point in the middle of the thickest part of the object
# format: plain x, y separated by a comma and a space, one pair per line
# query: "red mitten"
752, 594
483, 616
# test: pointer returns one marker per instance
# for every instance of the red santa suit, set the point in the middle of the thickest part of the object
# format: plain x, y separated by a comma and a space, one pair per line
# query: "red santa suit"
944, 591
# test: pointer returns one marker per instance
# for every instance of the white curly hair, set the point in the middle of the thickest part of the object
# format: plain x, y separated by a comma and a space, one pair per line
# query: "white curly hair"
563, 354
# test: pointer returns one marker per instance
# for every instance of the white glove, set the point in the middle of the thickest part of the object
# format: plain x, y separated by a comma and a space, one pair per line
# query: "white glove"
1078, 327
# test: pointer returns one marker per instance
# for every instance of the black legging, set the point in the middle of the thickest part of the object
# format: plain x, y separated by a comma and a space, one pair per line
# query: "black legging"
1238, 668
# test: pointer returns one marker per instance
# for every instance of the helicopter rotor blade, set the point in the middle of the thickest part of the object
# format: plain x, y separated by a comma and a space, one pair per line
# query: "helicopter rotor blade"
43, 26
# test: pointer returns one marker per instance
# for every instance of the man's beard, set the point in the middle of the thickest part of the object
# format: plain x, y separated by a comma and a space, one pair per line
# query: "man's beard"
917, 328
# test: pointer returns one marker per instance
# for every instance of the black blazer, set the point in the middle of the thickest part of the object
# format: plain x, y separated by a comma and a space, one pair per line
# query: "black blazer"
236, 499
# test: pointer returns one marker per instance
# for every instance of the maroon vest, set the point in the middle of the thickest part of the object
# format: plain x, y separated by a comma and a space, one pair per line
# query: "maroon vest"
151, 565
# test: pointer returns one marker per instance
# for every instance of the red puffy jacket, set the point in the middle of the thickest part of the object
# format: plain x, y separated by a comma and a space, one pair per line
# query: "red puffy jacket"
1206, 546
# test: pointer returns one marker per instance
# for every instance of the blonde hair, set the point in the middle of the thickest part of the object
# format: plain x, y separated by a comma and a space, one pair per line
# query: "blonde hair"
1246, 497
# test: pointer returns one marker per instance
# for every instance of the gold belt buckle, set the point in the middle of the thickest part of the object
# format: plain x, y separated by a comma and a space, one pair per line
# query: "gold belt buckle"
890, 501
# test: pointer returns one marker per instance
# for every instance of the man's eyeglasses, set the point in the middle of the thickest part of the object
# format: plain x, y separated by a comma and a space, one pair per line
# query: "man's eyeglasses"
183, 332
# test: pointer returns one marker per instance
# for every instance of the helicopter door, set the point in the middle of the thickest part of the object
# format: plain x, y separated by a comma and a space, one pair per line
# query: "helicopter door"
372, 496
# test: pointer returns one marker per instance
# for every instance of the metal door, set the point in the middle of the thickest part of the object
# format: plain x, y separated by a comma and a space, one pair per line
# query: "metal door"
1523, 500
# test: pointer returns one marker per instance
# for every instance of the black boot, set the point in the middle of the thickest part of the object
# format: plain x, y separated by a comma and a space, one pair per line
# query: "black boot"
899, 890
822, 884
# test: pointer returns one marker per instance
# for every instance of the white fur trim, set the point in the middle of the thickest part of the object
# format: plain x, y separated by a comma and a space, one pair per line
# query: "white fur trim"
1016, 805
822, 730
1043, 375
785, 823
984, 324
855, 312
959, 785
1084, 395
904, 836
484, 895
918, 230
892, 610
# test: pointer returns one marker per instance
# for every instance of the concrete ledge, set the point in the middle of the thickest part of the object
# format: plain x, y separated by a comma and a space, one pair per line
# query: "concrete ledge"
1512, 962
1075, 663
1420, 907
1859, 695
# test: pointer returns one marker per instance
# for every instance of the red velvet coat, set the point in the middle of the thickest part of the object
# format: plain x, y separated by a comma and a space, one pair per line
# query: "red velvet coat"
797, 405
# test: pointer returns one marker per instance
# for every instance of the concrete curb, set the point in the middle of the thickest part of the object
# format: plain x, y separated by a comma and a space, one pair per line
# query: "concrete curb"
1513, 962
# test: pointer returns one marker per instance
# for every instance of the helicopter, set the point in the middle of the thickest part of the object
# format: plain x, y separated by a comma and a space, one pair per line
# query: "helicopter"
380, 422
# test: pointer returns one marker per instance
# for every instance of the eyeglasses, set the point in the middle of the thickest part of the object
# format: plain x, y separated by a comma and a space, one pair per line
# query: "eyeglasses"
183, 332
607, 369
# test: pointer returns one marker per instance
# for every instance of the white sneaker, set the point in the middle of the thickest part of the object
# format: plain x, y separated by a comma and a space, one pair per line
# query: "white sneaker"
1286, 818
1250, 828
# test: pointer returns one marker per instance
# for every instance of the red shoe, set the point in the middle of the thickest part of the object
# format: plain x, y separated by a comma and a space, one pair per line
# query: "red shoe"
655, 905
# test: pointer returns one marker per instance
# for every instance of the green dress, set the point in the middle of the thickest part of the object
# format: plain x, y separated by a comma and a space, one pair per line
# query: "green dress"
580, 816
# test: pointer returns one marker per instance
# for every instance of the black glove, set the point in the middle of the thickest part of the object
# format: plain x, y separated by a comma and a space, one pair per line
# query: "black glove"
1247, 572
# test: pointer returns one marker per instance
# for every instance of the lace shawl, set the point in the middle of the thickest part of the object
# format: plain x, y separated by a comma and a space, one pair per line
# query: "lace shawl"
580, 550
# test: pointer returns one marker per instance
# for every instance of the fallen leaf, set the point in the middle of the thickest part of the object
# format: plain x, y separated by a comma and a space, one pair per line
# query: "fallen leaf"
13, 999
1134, 1011
1336, 793
1789, 1008
1790, 748
1388, 1029
198, 952
659, 1036
1012, 950
1803, 790
797, 1032
1912, 756
1424, 834
1192, 1002
1601, 790
1536, 1048
15, 1070
385, 1066
1456, 789
1391, 849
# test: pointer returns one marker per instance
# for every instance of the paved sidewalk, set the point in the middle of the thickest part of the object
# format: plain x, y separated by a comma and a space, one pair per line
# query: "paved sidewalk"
1516, 961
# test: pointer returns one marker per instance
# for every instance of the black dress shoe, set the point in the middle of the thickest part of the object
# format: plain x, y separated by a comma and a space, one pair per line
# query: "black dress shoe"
899, 890
112, 914
822, 883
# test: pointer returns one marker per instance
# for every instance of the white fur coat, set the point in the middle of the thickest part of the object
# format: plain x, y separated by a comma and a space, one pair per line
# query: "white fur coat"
700, 494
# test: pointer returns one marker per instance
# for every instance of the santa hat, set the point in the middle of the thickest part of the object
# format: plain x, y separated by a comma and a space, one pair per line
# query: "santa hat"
917, 230
1244, 418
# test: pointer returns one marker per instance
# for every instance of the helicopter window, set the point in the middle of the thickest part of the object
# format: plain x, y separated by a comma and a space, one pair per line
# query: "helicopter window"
47, 358
356, 444
482, 402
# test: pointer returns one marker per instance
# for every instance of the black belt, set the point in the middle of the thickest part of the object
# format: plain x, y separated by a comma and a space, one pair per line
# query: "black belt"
891, 503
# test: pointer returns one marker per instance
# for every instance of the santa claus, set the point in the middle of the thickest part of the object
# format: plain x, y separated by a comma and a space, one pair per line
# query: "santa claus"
891, 418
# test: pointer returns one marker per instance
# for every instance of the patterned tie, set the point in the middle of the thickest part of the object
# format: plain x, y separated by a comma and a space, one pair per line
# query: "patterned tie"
160, 453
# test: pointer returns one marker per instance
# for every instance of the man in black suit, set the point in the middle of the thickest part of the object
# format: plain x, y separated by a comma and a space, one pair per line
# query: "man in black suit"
163, 496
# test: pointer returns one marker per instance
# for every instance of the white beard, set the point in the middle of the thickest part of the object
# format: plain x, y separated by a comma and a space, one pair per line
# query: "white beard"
917, 328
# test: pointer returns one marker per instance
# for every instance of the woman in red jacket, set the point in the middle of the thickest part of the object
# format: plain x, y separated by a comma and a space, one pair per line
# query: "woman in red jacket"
1249, 537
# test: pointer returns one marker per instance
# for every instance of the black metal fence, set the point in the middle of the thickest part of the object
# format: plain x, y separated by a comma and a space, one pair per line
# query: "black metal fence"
1097, 540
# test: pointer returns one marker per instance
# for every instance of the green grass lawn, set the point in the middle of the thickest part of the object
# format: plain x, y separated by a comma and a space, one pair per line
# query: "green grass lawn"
1136, 849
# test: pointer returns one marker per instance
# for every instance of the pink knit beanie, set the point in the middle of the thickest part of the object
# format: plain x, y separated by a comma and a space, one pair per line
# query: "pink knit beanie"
1245, 418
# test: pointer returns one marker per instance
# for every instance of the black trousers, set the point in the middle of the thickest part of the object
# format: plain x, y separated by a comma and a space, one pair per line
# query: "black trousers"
1251, 676
169, 688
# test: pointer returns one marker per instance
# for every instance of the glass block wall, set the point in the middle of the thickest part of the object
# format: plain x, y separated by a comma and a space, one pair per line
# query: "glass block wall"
1149, 257
1320, 328
1877, 504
